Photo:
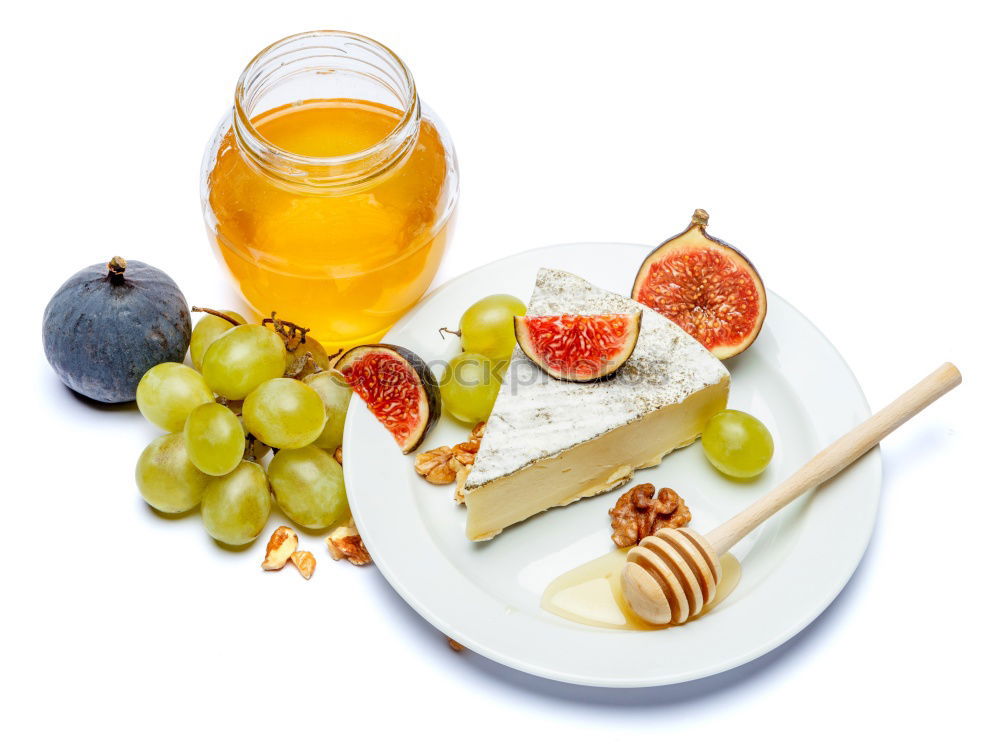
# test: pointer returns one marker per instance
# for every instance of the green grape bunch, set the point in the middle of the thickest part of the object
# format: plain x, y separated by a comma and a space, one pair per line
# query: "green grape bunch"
253, 388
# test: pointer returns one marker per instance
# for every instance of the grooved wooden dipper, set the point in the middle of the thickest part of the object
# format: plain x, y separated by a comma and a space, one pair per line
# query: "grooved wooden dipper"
670, 576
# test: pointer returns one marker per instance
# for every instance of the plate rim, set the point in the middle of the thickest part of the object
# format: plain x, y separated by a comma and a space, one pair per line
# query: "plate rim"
874, 459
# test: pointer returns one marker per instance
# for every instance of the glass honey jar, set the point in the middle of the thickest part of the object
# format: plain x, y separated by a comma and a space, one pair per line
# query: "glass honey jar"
329, 188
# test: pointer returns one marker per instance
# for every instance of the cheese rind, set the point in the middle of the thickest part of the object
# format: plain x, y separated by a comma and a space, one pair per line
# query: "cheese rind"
550, 442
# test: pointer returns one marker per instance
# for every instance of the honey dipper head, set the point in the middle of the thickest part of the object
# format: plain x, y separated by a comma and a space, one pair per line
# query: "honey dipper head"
670, 576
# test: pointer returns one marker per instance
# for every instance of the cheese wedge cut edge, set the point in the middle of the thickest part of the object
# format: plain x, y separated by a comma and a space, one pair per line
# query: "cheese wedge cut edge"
592, 467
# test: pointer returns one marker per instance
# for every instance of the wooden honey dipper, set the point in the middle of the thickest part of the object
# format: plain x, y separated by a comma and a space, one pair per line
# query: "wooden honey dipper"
670, 576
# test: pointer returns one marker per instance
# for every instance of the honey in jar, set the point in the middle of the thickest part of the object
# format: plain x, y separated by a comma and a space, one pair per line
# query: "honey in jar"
329, 191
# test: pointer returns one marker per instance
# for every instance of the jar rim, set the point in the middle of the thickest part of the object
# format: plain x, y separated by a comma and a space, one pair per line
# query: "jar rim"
391, 142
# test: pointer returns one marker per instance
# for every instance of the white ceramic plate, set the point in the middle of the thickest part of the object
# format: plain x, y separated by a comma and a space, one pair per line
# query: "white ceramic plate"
486, 595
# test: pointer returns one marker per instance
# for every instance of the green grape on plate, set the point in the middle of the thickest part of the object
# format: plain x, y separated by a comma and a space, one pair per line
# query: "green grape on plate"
488, 326
243, 358
336, 395
214, 439
207, 330
737, 444
235, 507
284, 413
168, 392
308, 485
166, 478
470, 385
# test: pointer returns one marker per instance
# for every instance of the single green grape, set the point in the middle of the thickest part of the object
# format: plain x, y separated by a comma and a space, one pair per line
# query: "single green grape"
284, 413
235, 507
488, 326
207, 330
243, 358
336, 396
309, 486
166, 478
470, 386
737, 444
168, 392
214, 439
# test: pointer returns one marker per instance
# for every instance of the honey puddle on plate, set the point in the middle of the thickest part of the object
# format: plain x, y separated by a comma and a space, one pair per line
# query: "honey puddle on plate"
592, 593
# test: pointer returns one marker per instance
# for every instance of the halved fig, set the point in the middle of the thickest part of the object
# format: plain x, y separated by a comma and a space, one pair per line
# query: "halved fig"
398, 387
578, 348
706, 287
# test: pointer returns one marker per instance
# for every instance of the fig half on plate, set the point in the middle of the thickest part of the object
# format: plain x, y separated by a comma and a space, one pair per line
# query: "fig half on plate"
577, 347
706, 287
398, 387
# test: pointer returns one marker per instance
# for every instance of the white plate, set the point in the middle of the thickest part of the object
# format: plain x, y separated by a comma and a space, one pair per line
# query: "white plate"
486, 595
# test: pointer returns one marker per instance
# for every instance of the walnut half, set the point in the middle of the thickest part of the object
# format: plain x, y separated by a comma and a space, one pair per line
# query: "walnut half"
639, 513
446, 464
435, 466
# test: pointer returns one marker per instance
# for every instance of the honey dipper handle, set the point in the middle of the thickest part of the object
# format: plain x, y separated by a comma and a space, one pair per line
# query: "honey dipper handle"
838, 455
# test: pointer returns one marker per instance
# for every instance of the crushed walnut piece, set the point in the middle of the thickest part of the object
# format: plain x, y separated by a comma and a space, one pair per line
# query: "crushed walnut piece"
461, 475
339, 455
435, 466
305, 562
280, 548
477, 432
639, 513
455, 645
465, 453
447, 464
346, 543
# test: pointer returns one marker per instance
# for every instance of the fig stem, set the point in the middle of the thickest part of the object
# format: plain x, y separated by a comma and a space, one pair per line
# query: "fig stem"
700, 217
116, 269
217, 313
335, 355
444, 329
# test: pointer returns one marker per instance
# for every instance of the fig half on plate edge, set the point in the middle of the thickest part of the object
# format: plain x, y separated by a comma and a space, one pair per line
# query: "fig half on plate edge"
398, 388
578, 348
705, 286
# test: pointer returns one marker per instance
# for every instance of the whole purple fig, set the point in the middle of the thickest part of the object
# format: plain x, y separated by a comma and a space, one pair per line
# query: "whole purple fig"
108, 324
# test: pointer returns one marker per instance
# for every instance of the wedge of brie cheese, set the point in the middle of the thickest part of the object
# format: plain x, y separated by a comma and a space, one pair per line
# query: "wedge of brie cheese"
549, 442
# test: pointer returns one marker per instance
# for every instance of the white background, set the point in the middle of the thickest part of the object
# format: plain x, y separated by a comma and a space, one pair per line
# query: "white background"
850, 149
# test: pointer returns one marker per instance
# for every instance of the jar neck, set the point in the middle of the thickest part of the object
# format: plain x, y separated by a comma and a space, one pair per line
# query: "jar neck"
325, 65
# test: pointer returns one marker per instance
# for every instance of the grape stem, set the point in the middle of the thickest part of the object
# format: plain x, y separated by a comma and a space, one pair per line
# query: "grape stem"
287, 330
249, 455
300, 364
234, 405
217, 313
445, 330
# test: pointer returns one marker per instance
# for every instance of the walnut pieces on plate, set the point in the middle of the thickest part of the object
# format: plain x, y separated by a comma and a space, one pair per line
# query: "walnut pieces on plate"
435, 466
641, 511
447, 464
